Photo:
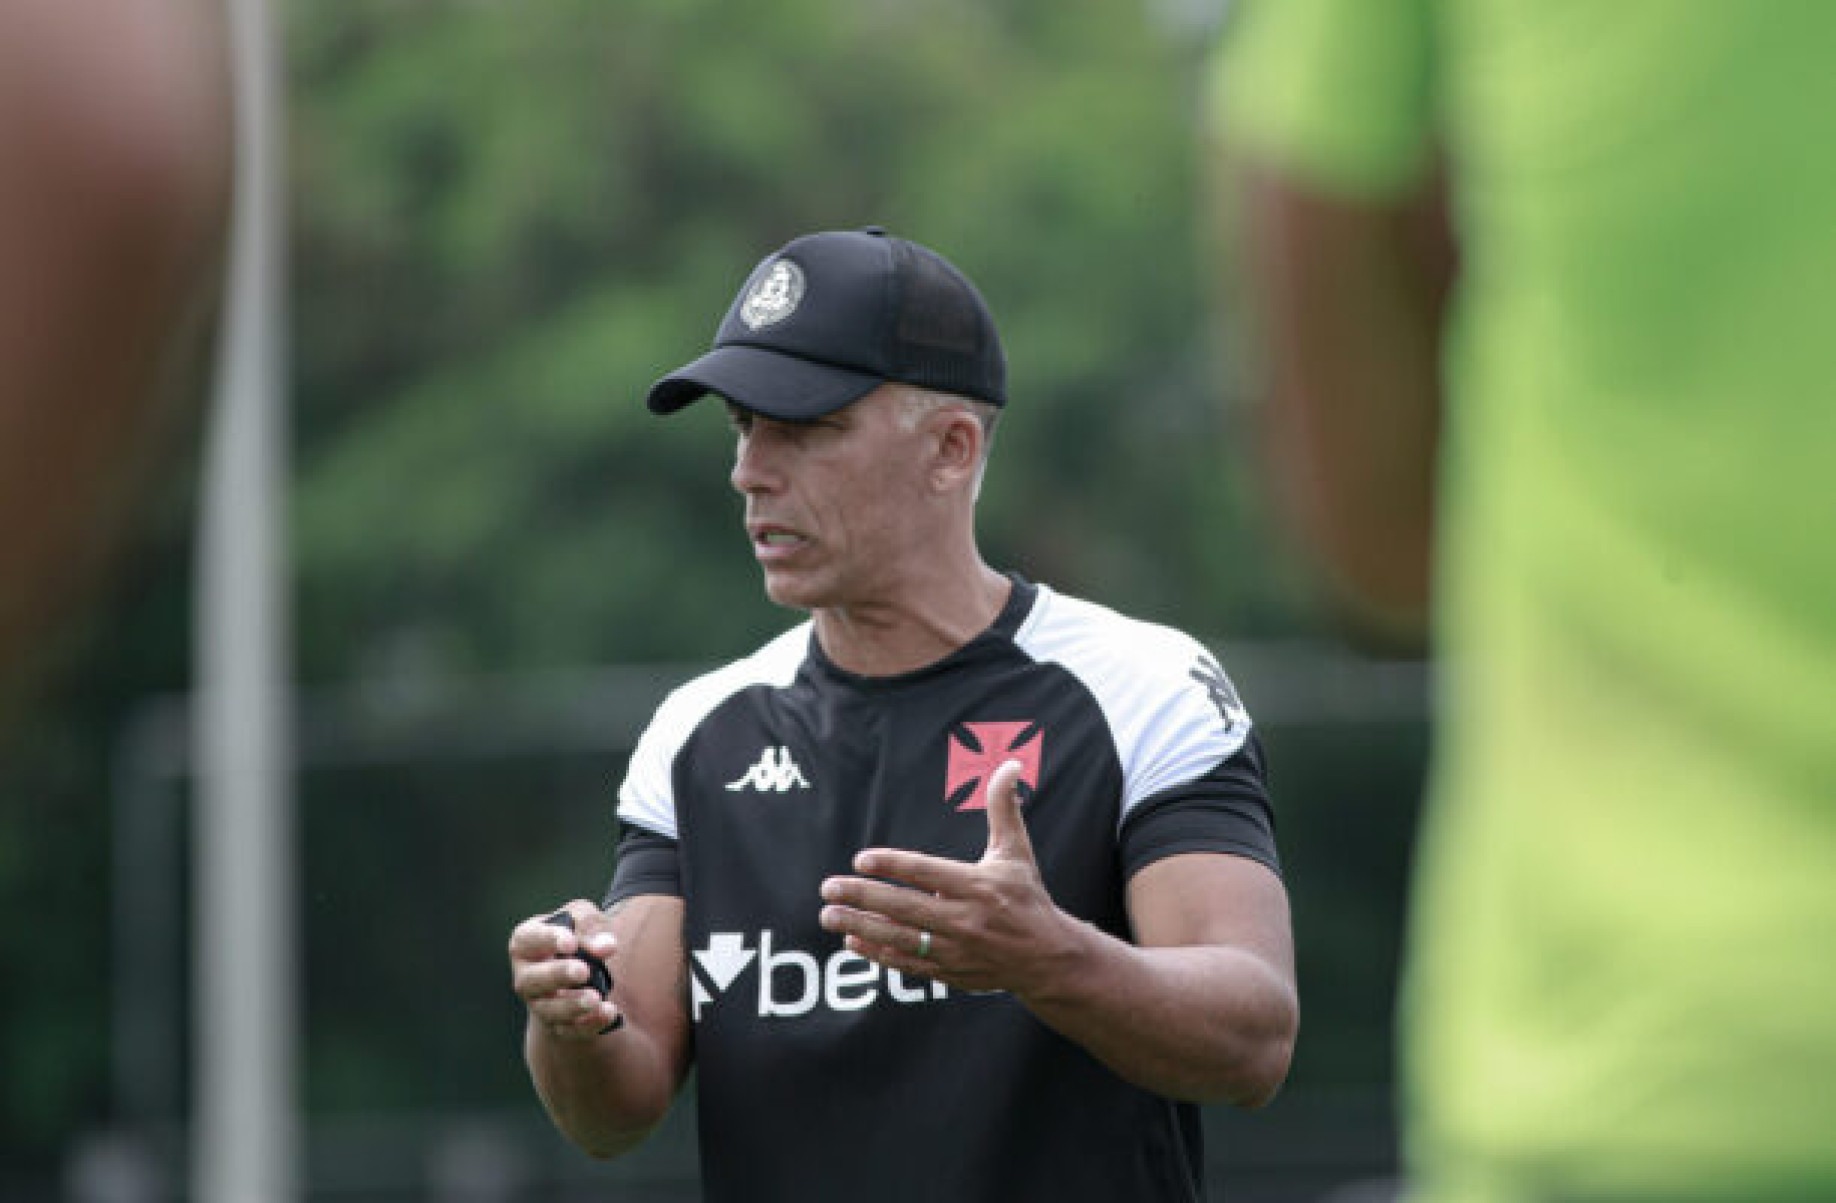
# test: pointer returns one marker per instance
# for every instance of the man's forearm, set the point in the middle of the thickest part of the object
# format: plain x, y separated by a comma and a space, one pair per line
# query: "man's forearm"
606, 1095
605, 1090
1202, 1023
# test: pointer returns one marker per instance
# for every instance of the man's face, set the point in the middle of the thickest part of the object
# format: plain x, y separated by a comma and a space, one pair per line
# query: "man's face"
836, 508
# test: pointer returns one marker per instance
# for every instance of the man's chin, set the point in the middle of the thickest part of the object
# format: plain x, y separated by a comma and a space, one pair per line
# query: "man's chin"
791, 592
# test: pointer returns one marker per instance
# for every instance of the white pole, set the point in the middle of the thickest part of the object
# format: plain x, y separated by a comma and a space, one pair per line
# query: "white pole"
246, 956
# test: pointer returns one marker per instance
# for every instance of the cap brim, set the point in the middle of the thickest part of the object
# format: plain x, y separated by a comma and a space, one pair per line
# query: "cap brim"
768, 382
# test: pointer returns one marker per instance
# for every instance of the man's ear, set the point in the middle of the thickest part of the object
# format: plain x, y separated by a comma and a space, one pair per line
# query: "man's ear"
959, 437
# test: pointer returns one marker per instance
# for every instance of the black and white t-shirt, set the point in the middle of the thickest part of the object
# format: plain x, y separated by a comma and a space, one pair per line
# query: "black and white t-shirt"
823, 1076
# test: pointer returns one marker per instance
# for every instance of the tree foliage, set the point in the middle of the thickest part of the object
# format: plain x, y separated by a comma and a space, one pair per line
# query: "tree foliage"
512, 218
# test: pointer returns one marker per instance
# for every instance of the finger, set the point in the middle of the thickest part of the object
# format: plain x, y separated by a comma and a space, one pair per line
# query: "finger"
865, 926
535, 939
913, 908
597, 1014
576, 1014
932, 874
541, 936
580, 917
593, 929
541, 981
868, 928
591, 938
592, 946
909, 964
1007, 835
586, 916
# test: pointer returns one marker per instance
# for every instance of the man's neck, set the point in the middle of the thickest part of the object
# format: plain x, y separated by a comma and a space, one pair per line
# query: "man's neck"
915, 627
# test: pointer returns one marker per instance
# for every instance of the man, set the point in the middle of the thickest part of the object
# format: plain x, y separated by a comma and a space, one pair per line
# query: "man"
1621, 982
962, 890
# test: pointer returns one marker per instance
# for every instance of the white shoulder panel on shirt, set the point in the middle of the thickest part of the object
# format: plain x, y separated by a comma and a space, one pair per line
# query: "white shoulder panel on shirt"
647, 797
1172, 712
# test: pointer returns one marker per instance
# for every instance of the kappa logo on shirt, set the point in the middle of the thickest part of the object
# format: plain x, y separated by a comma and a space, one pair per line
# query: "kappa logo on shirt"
773, 773
978, 749
1210, 676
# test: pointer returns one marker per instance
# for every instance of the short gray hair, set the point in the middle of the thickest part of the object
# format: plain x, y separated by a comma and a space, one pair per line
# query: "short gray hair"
915, 402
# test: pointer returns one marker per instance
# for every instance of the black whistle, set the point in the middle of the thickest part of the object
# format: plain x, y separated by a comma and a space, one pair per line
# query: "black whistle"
598, 976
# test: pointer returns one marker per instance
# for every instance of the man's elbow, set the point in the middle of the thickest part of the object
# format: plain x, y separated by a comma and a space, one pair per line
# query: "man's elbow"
1263, 1080
601, 1117
1256, 1074
606, 1137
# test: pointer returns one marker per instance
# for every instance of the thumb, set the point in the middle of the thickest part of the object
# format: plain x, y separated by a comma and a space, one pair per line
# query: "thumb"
1007, 834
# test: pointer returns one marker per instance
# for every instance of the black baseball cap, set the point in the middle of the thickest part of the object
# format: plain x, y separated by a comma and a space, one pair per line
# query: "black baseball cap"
831, 316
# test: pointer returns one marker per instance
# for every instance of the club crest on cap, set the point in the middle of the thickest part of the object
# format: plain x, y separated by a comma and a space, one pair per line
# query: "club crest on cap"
774, 297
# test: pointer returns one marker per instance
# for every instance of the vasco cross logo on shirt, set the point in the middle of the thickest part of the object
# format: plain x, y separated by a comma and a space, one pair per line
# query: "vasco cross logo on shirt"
978, 749
774, 773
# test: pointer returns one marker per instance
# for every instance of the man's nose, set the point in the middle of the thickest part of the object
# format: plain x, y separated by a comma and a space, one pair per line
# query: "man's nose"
752, 468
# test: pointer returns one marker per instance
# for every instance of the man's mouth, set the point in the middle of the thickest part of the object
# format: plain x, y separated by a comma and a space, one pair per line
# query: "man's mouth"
774, 540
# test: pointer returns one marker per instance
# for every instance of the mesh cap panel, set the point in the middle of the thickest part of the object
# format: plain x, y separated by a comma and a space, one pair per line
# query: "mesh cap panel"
936, 308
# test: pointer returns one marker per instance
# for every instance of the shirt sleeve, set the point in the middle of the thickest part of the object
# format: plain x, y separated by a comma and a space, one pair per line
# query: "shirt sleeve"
648, 863
1338, 93
1226, 810
647, 796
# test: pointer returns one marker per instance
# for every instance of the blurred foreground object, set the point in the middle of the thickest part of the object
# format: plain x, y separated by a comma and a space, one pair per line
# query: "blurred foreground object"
1620, 982
114, 158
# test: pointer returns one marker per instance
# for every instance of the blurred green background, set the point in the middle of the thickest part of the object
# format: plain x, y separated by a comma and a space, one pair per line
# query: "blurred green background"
506, 220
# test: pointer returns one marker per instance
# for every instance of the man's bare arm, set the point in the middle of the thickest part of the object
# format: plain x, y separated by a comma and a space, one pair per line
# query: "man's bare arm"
606, 1090
1204, 1007
1350, 297
115, 154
